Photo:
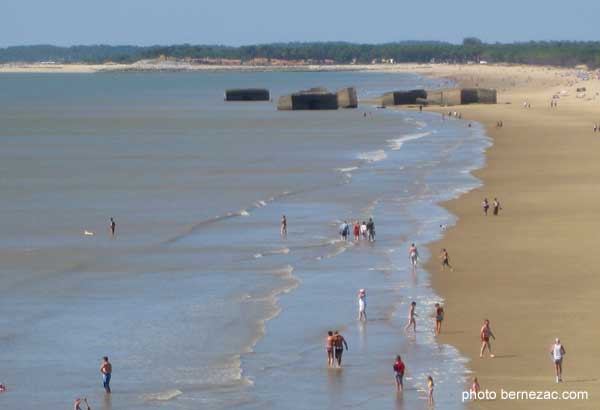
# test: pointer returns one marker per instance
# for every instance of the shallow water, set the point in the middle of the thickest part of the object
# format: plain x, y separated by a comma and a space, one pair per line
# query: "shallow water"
198, 301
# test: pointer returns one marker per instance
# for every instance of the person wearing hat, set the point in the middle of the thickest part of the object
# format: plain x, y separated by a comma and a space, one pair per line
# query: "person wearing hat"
557, 351
362, 305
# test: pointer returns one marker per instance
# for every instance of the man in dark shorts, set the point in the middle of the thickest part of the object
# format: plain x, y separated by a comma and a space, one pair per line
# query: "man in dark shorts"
445, 260
339, 342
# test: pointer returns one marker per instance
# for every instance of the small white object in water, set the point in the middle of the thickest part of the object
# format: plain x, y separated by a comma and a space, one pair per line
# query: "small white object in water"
88, 233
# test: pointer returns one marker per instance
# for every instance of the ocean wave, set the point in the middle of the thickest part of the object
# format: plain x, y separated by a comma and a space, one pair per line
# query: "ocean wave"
373, 156
163, 395
396, 144
345, 170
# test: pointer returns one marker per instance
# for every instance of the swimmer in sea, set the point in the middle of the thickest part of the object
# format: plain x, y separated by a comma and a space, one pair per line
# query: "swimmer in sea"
485, 334
113, 226
329, 343
430, 390
339, 344
411, 318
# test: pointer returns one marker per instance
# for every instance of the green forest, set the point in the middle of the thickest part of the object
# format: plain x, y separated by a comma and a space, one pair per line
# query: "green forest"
557, 53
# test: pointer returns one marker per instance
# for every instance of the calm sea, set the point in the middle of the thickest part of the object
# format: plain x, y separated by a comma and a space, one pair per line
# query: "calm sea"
198, 301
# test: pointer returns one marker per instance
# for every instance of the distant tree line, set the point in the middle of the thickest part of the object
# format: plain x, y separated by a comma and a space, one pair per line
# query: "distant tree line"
559, 53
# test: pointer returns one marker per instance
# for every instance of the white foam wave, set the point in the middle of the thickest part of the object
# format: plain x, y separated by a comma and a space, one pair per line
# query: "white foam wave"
373, 156
396, 143
163, 395
344, 170
243, 212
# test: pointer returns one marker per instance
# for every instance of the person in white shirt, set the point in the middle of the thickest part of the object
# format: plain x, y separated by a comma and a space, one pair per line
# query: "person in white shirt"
557, 351
362, 304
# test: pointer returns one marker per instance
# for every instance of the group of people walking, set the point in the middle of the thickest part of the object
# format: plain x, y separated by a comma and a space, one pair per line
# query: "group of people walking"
364, 230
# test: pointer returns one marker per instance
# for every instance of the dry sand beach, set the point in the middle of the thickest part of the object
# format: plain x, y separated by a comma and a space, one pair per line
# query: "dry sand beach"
531, 270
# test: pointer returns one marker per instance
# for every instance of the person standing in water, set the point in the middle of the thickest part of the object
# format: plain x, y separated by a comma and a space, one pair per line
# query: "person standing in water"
113, 227
329, 343
362, 304
79, 401
371, 230
486, 206
445, 260
283, 226
411, 318
399, 369
356, 231
339, 344
106, 370
413, 255
497, 207
430, 390
557, 351
439, 318
485, 334
363, 230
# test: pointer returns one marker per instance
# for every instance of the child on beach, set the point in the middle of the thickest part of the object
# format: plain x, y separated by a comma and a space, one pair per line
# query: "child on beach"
77, 404
399, 368
411, 318
485, 334
475, 388
430, 390
486, 206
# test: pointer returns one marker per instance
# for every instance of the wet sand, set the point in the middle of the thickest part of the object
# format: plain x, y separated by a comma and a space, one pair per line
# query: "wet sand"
532, 269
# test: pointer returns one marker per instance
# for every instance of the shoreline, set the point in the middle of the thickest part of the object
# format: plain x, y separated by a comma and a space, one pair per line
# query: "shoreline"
527, 270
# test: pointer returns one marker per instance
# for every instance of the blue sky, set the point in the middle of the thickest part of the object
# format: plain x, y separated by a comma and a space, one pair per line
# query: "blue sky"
236, 22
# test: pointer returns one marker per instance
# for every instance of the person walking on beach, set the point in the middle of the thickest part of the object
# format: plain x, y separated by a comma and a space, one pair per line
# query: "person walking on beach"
497, 206
113, 226
339, 343
106, 370
445, 260
485, 334
362, 304
79, 401
557, 351
329, 343
475, 388
344, 231
283, 226
413, 255
411, 317
486, 206
439, 318
399, 368
371, 230
430, 390
356, 231
363, 230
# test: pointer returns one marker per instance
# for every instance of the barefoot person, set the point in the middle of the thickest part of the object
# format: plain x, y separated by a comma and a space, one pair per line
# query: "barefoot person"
113, 226
486, 206
411, 318
283, 226
413, 255
399, 368
329, 343
557, 351
362, 304
356, 231
439, 317
106, 370
371, 230
339, 343
475, 388
497, 207
430, 390
445, 260
79, 401
485, 334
